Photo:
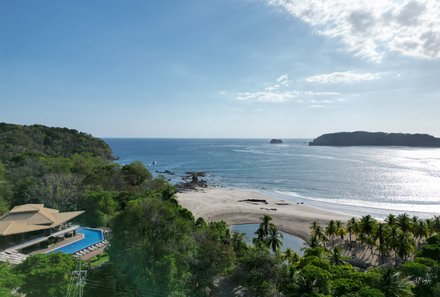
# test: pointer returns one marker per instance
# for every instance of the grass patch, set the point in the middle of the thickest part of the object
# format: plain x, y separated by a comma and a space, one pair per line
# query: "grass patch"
100, 259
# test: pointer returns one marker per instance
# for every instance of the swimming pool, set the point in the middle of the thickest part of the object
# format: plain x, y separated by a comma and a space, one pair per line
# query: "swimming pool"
91, 237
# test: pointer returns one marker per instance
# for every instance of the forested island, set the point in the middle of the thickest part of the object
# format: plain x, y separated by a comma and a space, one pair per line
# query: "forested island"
158, 248
362, 138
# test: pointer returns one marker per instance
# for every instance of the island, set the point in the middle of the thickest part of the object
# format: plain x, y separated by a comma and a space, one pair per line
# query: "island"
276, 141
362, 138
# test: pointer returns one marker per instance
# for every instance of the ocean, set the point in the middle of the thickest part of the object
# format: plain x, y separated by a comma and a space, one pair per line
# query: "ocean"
353, 180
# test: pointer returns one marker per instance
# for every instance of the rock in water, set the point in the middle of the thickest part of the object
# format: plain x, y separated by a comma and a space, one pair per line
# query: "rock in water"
276, 141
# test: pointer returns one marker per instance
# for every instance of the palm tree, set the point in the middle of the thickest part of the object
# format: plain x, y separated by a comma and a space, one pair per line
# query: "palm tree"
352, 227
393, 239
291, 256
260, 234
318, 232
404, 222
393, 285
263, 230
405, 245
414, 221
274, 239
366, 226
340, 230
266, 222
336, 256
313, 226
314, 241
303, 287
420, 231
390, 220
436, 224
330, 231
429, 226
381, 235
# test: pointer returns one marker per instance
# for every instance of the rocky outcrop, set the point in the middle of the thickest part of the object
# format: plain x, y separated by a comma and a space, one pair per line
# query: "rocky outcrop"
192, 181
276, 141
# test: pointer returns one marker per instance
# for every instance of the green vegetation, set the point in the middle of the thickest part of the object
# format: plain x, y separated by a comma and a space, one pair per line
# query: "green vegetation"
159, 249
376, 138
46, 275
99, 259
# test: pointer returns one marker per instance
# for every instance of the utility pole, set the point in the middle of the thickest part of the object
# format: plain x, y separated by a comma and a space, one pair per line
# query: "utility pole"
77, 282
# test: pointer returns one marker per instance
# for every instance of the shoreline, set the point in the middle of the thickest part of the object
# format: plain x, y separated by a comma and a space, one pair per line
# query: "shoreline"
236, 207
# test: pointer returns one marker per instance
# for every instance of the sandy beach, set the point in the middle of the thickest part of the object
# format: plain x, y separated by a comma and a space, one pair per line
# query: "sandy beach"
247, 207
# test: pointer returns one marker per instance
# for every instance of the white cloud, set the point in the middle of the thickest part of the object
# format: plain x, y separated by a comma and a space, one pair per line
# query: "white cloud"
371, 28
274, 93
278, 92
343, 77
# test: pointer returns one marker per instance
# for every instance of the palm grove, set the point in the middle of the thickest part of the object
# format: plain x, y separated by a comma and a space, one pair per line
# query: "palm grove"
159, 249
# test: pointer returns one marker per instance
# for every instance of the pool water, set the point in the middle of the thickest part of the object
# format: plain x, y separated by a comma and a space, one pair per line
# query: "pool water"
91, 237
289, 240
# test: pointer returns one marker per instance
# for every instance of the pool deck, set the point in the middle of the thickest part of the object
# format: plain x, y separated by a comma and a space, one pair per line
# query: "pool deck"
93, 254
66, 241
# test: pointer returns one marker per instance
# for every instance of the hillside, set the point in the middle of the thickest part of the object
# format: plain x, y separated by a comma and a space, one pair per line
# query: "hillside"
48, 141
361, 138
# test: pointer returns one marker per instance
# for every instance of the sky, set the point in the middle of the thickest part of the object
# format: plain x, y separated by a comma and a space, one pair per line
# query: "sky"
221, 68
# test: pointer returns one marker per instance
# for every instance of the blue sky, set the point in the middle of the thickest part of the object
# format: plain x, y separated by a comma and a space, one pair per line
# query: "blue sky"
221, 68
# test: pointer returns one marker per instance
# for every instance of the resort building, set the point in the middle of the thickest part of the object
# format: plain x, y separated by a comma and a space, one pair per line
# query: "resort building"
31, 224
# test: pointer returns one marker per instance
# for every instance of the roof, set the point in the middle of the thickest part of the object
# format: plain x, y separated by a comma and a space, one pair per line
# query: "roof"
33, 217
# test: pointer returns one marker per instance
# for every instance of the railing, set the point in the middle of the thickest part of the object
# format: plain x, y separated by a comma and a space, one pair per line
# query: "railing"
41, 239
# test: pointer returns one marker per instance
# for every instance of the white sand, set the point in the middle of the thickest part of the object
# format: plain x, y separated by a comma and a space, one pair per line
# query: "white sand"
216, 204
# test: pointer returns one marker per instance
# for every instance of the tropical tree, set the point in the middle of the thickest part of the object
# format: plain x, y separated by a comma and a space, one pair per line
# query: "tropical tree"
392, 284
238, 242
336, 256
331, 230
290, 256
46, 274
436, 224
263, 231
9, 281
273, 240
429, 226
317, 230
352, 228
340, 230
380, 235
302, 286
420, 231
405, 245
367, 225
391, 220
135, 173
404, 222
314, 241
259, 272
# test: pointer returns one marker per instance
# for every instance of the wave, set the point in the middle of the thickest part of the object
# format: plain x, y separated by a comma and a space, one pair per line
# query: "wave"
427, 207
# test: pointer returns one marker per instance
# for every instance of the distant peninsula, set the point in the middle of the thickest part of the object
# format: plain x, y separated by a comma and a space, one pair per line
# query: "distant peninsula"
276, 141
361, 138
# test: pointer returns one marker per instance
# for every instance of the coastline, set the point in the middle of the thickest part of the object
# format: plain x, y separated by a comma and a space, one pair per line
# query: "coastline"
247, 207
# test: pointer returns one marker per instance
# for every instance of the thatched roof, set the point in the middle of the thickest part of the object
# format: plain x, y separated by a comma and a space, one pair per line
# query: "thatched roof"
33, 217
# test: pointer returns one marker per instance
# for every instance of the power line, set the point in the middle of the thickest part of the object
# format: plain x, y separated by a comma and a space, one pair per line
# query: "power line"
77, 282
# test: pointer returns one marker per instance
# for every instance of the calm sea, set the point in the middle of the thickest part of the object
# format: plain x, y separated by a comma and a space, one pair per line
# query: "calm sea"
357, 180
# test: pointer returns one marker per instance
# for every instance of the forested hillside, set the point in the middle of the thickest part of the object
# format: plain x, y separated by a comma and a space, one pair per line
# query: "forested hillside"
362, 138
54, 166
